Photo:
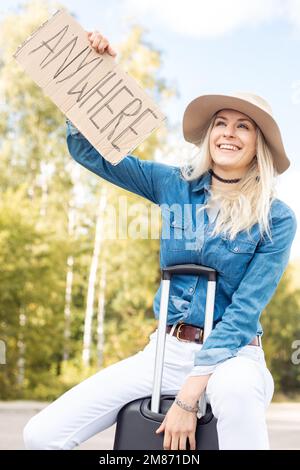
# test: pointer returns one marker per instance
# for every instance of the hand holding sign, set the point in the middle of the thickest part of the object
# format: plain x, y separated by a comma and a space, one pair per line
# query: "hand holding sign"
100, 43
107, 105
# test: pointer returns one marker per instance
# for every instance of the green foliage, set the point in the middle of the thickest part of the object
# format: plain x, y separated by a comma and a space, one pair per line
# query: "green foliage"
281, 324
38, 189
126, 339
31, 292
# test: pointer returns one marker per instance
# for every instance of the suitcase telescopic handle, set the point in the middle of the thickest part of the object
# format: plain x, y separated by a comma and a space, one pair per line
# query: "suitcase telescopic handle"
195, 269
166, 275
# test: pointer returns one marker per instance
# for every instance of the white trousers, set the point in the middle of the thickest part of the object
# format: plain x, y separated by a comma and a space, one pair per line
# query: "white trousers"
239, 391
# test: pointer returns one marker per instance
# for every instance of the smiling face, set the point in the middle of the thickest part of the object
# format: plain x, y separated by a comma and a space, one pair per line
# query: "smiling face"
232, 142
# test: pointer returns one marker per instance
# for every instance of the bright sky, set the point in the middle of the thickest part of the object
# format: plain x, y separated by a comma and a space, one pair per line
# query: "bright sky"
216, 46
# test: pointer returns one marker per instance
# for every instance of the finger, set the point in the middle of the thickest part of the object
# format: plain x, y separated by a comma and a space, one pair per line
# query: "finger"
102, 46
96, 42
93, 34
182, 442
192, 441
111, 51
175, 442
158, 430
161, 427
167, 441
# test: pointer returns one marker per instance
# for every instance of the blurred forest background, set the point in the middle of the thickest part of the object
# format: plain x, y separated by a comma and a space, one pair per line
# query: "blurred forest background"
71, 301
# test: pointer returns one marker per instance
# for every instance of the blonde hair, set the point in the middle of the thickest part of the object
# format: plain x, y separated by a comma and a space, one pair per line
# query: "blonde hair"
249, 202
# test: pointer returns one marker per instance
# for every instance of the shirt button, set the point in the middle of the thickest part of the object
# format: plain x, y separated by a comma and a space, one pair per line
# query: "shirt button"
191, 290
236, 249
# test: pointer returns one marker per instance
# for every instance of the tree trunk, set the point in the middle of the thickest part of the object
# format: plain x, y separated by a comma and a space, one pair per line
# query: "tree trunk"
67, 311
87, 337
101, 316
21, 349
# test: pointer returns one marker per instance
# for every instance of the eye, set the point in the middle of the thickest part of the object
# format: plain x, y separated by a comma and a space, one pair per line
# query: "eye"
218, 123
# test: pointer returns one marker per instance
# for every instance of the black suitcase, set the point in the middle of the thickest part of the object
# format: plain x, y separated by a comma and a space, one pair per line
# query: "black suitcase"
138, 420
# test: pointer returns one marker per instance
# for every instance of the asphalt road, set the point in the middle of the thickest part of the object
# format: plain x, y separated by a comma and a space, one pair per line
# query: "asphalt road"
283, 424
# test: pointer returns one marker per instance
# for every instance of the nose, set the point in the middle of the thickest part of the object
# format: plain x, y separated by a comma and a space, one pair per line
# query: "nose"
229, 131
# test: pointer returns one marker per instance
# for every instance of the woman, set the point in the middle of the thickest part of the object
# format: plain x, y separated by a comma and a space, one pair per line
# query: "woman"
239, 228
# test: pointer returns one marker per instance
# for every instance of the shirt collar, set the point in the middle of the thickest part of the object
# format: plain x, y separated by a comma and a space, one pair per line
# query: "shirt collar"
204, 182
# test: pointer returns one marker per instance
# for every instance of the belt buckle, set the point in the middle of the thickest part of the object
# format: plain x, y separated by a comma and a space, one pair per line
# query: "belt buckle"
178, 332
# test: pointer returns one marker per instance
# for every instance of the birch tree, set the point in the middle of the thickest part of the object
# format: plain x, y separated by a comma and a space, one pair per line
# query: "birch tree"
87, 337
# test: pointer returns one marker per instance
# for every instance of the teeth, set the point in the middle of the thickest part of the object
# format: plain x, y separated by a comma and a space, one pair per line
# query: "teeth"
229, 147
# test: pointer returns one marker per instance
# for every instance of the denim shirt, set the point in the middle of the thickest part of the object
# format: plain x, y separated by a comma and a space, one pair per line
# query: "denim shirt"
249, 267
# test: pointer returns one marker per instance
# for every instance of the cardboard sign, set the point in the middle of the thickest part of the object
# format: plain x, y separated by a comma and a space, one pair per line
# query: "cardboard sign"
107, 105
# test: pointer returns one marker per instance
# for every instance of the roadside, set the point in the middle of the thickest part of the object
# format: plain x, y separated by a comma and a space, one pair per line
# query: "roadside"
283, 424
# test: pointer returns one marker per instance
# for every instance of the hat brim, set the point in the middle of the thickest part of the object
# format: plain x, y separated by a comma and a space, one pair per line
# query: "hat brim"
200, 111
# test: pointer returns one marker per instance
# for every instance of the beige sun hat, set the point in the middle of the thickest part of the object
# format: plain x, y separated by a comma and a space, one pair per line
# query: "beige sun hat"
199, 112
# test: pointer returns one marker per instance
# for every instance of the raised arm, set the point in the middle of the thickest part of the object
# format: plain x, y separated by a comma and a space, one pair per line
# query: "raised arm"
142, 177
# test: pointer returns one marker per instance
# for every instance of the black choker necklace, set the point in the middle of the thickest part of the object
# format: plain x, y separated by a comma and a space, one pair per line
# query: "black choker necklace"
236, 180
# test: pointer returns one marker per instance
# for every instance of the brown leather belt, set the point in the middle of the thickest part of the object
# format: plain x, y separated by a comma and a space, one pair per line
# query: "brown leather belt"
192, 333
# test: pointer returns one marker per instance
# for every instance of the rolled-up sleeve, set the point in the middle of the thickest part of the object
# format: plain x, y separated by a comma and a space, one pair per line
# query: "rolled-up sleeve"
238, 325
142, 177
